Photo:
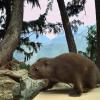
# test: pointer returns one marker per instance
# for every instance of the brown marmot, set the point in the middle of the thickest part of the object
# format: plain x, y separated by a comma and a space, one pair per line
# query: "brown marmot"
68, 68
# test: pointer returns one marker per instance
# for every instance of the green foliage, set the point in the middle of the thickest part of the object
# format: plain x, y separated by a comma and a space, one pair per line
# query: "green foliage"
41, 24
38, 26
92, 43
75, 6
30, 45
24, 66
34, 2
83, 53
75, 23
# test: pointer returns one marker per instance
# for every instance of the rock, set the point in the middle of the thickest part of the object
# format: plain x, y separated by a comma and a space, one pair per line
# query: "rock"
6, 95
16, 85
31, 88
6, 86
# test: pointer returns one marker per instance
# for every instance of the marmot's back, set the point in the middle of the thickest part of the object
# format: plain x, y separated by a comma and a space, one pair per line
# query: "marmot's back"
75, 60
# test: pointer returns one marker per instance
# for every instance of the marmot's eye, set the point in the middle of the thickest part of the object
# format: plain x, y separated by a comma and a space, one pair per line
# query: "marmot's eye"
35, 69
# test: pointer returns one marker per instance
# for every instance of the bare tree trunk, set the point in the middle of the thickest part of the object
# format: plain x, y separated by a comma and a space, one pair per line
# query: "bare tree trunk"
67, 27
97, 3
10, 42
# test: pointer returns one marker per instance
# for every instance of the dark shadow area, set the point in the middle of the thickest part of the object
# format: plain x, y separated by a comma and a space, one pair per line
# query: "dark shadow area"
58, 91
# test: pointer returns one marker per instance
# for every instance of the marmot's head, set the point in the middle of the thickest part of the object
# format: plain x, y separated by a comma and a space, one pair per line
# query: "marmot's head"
41, 69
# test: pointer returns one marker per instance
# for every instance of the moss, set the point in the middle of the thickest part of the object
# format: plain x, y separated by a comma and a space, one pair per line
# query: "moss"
24, 66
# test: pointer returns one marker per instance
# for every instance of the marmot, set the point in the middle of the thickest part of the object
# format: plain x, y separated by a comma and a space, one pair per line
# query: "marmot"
68, 68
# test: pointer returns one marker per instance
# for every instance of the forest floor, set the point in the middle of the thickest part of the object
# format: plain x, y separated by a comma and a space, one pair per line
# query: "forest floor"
60, 93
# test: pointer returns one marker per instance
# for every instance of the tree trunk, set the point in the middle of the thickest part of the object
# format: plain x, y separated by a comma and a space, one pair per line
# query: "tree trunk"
11, 39
67, 27
97, 3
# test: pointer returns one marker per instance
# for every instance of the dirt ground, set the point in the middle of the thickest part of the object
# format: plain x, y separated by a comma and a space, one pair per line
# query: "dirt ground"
60, 93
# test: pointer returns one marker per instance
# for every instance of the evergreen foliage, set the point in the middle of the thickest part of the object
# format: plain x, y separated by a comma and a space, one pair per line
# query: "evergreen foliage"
38, 26
92, 43
75, 6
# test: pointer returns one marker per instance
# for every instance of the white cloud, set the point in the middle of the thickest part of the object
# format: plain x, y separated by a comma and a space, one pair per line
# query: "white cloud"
50, 35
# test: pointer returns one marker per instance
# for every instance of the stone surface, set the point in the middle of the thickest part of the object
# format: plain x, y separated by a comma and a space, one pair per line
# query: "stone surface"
6, 87
25, 89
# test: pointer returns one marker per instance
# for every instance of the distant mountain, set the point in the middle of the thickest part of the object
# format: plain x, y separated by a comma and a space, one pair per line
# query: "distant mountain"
51, 49
56, 46
42, 38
